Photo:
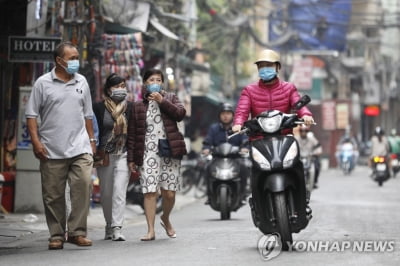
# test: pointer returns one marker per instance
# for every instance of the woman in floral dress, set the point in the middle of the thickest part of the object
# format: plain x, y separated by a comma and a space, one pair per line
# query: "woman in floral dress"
153, 119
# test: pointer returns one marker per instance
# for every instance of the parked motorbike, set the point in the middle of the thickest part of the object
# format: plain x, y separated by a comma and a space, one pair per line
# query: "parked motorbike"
193, 172
224, 182
135, 196
380, 169
346, 157
278, 203
309, 173
395, 162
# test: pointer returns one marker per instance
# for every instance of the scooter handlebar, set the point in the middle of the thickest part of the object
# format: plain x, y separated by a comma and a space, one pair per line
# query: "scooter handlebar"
244, 130
302, 123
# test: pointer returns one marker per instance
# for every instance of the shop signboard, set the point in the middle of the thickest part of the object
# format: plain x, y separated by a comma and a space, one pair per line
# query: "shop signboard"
329, 115
302, 73
31, 49
342, 115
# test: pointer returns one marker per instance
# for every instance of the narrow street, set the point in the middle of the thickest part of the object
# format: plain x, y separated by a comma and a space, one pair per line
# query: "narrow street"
345, 208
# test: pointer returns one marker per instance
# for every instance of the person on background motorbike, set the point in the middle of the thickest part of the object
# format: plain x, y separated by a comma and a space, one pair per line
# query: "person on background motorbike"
394, 142
379, 145
345, 141
218, 133
309, 145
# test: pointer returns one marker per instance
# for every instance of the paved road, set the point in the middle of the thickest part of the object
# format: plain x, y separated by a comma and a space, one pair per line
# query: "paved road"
347, 209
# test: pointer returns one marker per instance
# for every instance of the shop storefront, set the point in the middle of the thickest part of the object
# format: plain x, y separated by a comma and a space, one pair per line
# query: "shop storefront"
104, 48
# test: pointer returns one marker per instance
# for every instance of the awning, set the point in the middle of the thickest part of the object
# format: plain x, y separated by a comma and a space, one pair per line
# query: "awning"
131, 16
116, 28
204, 112
161, 28
187, 62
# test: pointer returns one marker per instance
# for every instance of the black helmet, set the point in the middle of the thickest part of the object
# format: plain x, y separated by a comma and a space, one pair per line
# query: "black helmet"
347, 139
226, 107
379, 131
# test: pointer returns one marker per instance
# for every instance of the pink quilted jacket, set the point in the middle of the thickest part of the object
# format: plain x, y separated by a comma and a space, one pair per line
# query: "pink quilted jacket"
258, 97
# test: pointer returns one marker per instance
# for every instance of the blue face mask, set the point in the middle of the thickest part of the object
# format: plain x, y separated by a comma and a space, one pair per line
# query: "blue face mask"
72, 66
267, 73
153, 87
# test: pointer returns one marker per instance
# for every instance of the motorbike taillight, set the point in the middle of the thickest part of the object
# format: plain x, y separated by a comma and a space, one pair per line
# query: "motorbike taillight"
393, 156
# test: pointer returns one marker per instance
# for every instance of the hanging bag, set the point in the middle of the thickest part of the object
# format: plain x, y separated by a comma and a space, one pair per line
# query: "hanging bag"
164, 149
101, 158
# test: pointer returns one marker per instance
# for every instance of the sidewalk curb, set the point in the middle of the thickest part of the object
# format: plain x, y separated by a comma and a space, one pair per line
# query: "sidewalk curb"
19, 229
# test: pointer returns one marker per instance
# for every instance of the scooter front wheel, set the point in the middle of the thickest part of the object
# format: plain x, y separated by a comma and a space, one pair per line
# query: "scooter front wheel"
346, 168
282, 219
224, 203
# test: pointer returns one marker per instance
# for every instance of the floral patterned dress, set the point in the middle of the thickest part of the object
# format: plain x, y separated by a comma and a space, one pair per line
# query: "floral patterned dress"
157, 172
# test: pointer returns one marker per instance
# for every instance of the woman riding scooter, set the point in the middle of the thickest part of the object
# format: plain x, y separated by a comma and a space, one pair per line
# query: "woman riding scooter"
278, 201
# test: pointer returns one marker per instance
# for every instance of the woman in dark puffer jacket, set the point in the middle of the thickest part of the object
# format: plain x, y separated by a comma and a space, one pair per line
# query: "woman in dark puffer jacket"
154, 118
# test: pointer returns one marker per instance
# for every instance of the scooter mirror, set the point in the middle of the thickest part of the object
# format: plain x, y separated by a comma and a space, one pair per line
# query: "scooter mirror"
302, 102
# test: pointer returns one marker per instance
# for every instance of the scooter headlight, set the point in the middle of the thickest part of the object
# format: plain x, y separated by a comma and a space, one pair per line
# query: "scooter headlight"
224, 173
260, 159
270, 124
290, 155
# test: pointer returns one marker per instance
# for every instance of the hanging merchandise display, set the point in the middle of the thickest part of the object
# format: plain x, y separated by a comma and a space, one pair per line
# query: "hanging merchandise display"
56, 9
123, 55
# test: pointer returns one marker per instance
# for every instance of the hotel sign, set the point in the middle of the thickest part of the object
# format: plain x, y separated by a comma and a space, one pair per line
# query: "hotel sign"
28, 49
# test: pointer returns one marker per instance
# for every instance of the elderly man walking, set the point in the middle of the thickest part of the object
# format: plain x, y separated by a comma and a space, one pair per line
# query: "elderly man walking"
64, 143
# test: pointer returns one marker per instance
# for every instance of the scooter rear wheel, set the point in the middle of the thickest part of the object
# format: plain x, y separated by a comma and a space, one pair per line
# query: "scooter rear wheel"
282, 219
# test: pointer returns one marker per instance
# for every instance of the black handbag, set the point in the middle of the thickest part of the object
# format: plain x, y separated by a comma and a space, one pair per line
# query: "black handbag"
164, 150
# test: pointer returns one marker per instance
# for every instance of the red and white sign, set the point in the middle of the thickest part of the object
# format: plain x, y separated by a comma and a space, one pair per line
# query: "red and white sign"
302, 73
342, 115
329, 115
